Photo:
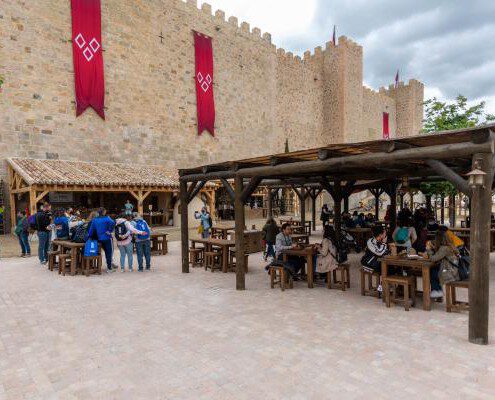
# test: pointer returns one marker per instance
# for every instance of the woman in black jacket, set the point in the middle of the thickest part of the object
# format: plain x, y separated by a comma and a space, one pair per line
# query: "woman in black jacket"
270, 232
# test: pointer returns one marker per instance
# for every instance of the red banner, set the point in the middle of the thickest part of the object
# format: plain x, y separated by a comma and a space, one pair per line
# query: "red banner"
204, 83
88, 56
386, 132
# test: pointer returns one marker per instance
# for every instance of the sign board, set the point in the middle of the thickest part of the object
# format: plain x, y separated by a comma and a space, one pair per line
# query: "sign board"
61, 197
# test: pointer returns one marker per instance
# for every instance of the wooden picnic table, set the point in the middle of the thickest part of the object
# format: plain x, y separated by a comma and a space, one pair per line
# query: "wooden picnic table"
421, 264
360, 234
222, 231
301, 238
306, 252
223, 244
159, 244
75, 250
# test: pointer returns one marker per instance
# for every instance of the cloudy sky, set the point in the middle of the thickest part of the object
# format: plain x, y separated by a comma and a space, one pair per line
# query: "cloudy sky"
447, 44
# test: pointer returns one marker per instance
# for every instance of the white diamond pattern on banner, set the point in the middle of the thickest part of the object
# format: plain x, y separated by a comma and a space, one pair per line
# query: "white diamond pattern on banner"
89, 50
205, 82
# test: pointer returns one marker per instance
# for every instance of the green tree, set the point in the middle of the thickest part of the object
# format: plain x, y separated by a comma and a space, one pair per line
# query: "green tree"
441, 116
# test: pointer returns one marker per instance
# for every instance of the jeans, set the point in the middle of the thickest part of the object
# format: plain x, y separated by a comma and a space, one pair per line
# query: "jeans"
43, 245
205, 234
24, 242
293, 264
434, 280
143, 248
126, 251
108, 249
270, 250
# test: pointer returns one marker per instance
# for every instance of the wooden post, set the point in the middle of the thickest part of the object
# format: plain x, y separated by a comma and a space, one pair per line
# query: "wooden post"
481, 204
184, 226
377, 205
401, 197
302, 206
239, 234
337, 209
32, 201
392, 192
140, 208
428, 202
313, 210
13, 213
442, 209
211, 201
411, 201
452, 210
269, 204
346, 203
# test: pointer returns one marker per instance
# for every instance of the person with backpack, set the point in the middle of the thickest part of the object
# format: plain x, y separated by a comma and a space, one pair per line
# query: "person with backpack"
102, 227
205, 222
404, 234
42, 222
143, 242
22, 233
123, 234
376, 247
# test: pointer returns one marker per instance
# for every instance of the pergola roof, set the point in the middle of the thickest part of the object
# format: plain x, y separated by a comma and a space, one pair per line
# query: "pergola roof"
102, 174
380, 159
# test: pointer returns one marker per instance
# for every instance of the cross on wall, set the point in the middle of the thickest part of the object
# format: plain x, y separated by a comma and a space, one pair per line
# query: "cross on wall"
161, 37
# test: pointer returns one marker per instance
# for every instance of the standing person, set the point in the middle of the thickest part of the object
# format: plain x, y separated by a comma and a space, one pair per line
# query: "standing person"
61, 224
22, 232
376, 247
270, 232
143, 242
205, 221
128, 207
102, 227
325, 215
42, 223
123, 233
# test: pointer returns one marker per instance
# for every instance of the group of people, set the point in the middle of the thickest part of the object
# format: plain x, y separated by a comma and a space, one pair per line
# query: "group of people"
129, 229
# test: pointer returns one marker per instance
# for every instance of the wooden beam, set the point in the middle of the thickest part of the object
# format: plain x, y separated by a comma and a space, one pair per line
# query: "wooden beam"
228, 188
450, 175
239, 234
481, 205
135, 195
250, 188
40, 197
13, 213
196, 190
192, 186
269, 203
184, 226
32, 201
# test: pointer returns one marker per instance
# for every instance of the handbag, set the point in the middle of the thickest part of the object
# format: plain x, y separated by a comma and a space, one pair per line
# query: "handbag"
90, 248
449, 272
200, 229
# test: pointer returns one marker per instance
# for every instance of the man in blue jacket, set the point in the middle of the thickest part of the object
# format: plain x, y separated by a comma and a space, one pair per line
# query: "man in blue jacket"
102, 227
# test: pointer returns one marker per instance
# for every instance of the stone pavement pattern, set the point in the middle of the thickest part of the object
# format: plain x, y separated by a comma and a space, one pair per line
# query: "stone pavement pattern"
166, 335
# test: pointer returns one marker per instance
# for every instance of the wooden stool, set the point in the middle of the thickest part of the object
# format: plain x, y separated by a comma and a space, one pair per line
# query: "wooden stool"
367, 287
63, 263
213, 260
91, 265
409, 285
345, 279
233, 261
52, 259
450, 296
278, 271
196, 257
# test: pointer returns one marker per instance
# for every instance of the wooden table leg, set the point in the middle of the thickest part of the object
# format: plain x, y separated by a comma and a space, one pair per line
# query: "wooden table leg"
310, 270
384, 275
73, 261
426, 289
225, 258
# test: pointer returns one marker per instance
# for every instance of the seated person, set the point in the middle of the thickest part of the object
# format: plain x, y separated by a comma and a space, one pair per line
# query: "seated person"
347, 221
420, 244
61, 224
405, 234
443, 252
361, 220
376, 247
369, 220
326, 256
283, 241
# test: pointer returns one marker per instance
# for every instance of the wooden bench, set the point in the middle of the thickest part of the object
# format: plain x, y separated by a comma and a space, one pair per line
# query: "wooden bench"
63, 263
393, 282
213, 260
279, 276
450, 296
196, 257
91, 265
345, 278
52, 259
233, 261
367, 286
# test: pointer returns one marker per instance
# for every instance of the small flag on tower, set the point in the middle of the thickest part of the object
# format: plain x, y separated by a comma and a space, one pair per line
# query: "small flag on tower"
397, 79
334, 36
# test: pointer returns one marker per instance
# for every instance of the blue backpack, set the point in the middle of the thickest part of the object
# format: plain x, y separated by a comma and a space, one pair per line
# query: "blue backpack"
142, 226
402, 235
91, 248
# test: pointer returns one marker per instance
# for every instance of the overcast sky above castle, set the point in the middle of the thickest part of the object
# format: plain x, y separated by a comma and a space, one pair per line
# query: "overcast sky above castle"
447, 44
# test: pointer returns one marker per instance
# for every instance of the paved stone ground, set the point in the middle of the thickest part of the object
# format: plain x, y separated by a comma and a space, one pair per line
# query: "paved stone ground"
166, 335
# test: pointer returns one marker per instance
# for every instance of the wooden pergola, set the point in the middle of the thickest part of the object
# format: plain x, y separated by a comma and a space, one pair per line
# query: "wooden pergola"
341, 168
40, 177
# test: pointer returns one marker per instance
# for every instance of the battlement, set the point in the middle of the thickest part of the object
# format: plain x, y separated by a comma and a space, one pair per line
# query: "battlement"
391, 90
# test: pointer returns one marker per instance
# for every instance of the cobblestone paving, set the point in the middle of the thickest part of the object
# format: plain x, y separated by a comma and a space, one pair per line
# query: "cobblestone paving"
167, 335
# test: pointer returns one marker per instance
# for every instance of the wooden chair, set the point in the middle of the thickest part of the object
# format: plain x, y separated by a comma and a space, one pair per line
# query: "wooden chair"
213, 260
52, 259
279, 276
409, 286
450, 296
345, 278
233, 261
63, 263
91, 265
196, 257
367, 287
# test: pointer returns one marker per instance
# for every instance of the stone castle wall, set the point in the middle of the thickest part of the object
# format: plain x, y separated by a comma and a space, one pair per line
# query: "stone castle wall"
263, 95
